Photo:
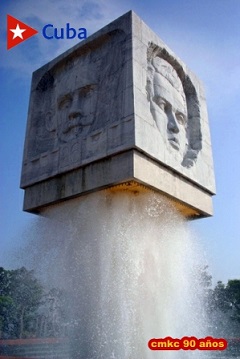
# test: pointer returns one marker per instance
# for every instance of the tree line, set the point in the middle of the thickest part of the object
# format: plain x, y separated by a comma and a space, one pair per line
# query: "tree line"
27, 309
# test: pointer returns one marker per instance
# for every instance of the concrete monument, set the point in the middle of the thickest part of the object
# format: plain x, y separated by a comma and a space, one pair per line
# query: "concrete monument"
118, 110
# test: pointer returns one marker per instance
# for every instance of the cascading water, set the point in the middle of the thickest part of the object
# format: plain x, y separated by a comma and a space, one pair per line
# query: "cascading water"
129, 266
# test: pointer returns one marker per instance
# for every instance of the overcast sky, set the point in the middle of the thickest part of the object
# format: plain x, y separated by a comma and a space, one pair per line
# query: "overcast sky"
204, 34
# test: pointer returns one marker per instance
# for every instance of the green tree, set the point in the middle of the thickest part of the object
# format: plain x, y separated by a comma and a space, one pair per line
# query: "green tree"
227, 298
224, 309
219, 297
20, 297
5, 308
233, 298
205, 279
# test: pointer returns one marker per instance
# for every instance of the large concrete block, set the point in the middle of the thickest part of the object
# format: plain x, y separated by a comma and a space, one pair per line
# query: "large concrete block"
118, 108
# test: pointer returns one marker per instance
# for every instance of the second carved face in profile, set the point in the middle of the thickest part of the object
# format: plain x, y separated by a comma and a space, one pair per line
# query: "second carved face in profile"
168, 103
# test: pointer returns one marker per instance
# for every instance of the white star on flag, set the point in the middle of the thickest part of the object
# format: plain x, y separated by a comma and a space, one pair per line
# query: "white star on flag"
17, 32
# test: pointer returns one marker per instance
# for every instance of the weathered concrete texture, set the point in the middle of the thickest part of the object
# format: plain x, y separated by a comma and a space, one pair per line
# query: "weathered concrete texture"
118, 107
177, 130
131, 170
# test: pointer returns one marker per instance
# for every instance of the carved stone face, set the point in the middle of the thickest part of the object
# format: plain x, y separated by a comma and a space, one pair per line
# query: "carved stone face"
168, 105
76, 105
76, 112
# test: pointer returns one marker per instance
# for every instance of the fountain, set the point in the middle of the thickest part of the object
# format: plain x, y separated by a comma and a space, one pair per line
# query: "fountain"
117, 157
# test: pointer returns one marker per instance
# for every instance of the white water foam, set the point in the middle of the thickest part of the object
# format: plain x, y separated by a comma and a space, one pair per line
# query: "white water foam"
129, 264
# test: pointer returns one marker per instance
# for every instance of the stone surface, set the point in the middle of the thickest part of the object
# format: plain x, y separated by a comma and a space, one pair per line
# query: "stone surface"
118, 107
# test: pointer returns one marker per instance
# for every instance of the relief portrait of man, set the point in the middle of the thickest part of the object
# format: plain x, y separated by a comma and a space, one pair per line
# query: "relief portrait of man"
168, 107
75, 112
78, 95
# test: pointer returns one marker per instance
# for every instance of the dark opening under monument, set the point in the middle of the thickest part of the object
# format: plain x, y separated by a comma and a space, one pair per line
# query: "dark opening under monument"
119, 110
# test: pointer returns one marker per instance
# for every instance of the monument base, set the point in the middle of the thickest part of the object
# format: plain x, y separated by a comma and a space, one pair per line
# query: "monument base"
130, 170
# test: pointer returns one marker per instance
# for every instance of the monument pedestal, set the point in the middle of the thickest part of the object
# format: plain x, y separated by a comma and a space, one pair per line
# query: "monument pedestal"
131, 171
